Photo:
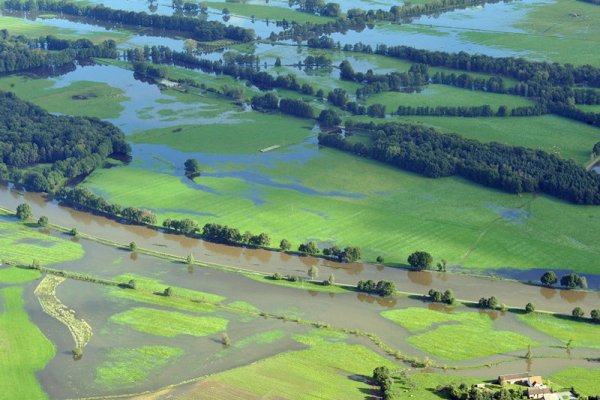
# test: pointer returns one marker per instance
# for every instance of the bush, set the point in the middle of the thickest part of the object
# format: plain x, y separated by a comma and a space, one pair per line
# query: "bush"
529, 308
43, 221
577, 313
380, 259
24, 211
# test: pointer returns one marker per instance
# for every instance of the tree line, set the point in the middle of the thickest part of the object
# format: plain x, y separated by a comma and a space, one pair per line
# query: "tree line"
72, 146
194, 28
18, 53
270, 102
431, 153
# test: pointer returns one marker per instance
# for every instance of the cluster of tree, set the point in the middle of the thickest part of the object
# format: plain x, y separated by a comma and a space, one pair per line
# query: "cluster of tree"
83, 198
195, 28
441, 297
382, 377
309, 248
381, 288
493, 84
570, 281
458, 111
192, 168
420, 260
185, 226
596, 149
571, 112
316, 62
329, 118
317, 7
464, 392
348, 254
225, 234
596, 2
18, 53
491, 303
149, 71
416, 77
72, 146
578, 313
270, 101
434, 154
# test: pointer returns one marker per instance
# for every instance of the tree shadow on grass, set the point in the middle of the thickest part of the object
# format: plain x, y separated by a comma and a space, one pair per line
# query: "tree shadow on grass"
373, 393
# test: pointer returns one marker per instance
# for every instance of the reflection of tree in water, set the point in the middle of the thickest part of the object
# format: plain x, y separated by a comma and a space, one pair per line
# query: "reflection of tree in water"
572, 296
152, 5
388, 302
133, 256
423, 278
548, 293
493, 314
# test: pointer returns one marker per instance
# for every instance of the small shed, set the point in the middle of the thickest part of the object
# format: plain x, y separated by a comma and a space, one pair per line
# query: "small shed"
538, 392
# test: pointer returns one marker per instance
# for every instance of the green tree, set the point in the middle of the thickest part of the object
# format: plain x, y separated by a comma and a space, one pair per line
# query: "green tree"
43, 221
276, 276
24, 211
309, 248
285, 245
278, 62
448, 297
132, 284
133, 246
385, 288
595, 315
529, 308
577, 313
572, 281
225, 340
313, 272
190, 259
74, 232
380, 259
168, 292
549, 278
192, 168
420, 260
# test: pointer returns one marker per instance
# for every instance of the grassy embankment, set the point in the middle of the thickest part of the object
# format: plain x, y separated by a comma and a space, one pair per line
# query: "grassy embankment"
474, 331
82, 98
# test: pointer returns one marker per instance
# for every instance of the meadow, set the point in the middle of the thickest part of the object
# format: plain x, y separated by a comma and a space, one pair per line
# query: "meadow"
21, 244
82, 98
457, 336
385, 211
565, 329
266, 12
584, 379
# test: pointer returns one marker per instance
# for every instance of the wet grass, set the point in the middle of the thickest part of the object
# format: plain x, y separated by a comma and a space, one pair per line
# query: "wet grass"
268, 12
399, 213
267, 337
569, 139
12, 275
129, 367
584, 380
249, 133
302, 285
82, 98
474, 331
563, 328
21, 244
442, 95
562, 31
25, 349
325, 370
169, 323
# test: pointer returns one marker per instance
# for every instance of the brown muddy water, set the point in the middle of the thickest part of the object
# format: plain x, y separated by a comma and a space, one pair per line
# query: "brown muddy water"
66, 378
465, 287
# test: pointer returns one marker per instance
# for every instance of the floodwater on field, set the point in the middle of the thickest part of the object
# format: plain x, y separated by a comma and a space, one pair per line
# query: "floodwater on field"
205, 355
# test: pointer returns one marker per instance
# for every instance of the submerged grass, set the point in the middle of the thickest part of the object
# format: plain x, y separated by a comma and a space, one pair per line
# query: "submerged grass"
169, 323
582, 333
129, 367
24, 349
459, 336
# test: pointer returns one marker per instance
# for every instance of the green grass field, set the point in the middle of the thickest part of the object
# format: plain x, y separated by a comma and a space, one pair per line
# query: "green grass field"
473, 333
268, 12
21, 244
562, 31
546, 132
267, 337
128, 367
583, 334
312, 286
422, 385
35, 29
402, 212
12, 275
326, 370
442, 95
83, 98
584, 380
169, 323
24, 349
252, 132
